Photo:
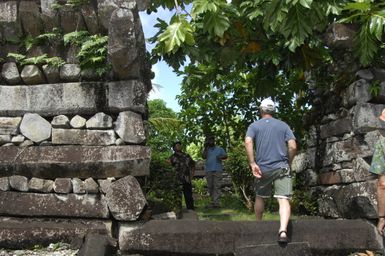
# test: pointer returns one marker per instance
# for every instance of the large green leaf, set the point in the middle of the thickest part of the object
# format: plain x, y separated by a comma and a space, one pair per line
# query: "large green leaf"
377, 24
216, 24
202, 6
177, 33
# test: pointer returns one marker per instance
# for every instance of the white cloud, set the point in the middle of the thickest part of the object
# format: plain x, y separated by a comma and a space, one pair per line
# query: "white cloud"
155, 92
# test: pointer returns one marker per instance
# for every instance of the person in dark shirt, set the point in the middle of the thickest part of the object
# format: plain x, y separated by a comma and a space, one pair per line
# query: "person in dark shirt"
185, 167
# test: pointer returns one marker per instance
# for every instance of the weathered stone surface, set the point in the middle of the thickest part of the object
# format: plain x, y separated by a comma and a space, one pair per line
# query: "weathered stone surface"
4, 184
91, 19
71, 56
19, 183
129, 127
99, 121
9, 125
98, 245
379, 74
105, 184
330, 178
62, 185
30, 18
340, 36
91, 186
83, 137
21, 233
143, 4
35, 128
165, 216
99, 162
73, 98
49, 15
26, 143
361, 170
304, 161
10, 73
105, 9
357, 93
51, 73
40, 185
10, 26
338, 201
31, 74
37, 204
125, 199
71, 20
366, 117
336, 128
222, 238
122, 44
60, 121
70, 72
119, 142
365, 74
78, 186
342, 151
78, 122
18, 139
4, 139
291, 249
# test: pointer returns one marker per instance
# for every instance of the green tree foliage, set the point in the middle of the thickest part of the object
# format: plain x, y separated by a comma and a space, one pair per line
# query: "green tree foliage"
243, 51
164, 130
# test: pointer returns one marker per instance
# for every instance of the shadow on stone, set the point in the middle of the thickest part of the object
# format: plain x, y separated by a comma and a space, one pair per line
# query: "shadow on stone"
290, 249
96, 244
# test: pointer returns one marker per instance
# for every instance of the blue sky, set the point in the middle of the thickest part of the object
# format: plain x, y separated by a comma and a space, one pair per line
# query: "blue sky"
164, 76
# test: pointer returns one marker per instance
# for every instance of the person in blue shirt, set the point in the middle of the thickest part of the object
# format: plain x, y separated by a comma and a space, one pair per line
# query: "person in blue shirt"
213, 169
275, 148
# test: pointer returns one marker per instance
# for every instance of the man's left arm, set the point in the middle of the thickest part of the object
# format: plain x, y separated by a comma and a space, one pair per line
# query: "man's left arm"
292, 150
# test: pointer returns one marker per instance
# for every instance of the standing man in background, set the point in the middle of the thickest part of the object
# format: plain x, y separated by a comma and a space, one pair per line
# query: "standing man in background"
213, 169
275, 148
185, 167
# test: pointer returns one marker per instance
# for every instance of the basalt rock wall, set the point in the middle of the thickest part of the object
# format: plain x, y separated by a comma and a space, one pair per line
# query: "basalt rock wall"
344, 127
73, 120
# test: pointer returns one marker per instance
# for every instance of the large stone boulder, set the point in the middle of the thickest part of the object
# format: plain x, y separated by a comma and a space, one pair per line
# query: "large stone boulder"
30, 18
35, 128
129, 127
122, 44
83, 137
31, 74
125, 199
9, 125
10, 73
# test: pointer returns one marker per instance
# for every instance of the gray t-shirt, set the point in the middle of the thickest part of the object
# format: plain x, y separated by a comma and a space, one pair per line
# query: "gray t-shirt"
270, 137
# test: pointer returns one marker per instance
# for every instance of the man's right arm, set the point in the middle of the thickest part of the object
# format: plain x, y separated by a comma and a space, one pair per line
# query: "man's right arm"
249, 146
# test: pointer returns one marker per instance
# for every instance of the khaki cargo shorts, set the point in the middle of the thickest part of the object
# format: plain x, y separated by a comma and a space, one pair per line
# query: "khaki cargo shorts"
282, 181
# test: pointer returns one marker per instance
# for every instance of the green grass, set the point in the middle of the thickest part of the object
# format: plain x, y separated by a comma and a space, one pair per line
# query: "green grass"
232, 209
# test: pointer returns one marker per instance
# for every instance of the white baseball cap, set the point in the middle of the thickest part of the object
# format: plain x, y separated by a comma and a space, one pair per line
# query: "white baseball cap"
267, 105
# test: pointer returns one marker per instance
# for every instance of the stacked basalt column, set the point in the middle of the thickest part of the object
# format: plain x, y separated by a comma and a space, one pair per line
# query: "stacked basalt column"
72, 144
340, 141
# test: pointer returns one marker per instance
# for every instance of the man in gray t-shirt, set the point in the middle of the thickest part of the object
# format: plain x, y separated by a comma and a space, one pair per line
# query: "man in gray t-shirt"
275, 148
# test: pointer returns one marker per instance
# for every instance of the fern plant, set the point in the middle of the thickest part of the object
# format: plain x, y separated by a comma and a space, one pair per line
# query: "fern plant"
93, 54
38, 60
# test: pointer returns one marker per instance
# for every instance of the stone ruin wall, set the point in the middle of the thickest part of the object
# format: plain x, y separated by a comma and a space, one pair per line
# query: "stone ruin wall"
340, 141
72, 143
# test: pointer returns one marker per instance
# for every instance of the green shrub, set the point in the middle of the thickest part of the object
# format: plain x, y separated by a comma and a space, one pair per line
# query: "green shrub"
162, 186
243, 180
199, 186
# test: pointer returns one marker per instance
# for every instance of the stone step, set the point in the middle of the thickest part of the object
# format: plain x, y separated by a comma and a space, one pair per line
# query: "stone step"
291, 249
19, 233
168, 237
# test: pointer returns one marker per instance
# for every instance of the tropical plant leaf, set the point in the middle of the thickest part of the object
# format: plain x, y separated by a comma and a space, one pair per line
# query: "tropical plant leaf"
215, 24
377, 24
177, 33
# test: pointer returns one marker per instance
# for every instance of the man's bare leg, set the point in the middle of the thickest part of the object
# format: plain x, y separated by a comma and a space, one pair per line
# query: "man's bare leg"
259, 207
284, 214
